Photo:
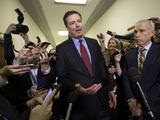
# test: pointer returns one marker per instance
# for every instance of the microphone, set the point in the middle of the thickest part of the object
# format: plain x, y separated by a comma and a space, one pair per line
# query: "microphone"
119, 36
57, 87
134, 75
71, 100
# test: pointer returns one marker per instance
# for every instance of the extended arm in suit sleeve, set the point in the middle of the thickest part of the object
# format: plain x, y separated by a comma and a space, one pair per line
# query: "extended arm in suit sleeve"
8, 49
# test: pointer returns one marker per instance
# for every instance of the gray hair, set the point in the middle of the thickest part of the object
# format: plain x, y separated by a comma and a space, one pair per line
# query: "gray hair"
150, 23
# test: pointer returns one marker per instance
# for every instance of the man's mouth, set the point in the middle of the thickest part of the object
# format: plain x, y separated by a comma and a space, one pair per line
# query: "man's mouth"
79, 30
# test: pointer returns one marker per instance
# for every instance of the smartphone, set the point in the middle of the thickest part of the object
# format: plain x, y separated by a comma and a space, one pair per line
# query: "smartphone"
32, 66
110, 33
48, 94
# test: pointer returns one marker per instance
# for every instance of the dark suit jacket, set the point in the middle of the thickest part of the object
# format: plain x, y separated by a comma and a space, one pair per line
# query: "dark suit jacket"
72, 70
7, 111
150, 77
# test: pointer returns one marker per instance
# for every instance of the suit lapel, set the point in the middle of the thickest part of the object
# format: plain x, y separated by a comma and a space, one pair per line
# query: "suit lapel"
134, 58
150, 60
149, 56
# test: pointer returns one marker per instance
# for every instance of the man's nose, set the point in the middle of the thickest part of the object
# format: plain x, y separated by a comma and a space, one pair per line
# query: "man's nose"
137, 34
77, 24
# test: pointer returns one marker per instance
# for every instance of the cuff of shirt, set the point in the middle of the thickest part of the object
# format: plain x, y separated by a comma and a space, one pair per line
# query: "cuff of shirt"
46, 71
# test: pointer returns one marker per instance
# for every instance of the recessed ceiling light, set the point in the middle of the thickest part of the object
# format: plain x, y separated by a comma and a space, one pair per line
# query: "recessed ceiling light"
63, 33
72, 1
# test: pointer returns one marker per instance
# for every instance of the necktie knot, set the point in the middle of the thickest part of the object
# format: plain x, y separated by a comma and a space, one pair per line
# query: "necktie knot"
80, 41
142, 49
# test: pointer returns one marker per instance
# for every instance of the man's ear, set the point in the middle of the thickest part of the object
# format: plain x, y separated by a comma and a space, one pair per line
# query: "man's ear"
153, 32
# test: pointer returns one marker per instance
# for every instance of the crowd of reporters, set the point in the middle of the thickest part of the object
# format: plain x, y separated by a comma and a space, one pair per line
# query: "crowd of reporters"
26, 78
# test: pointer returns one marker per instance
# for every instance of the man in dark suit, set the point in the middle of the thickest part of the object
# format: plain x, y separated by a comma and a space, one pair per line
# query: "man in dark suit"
148, 64
81, 68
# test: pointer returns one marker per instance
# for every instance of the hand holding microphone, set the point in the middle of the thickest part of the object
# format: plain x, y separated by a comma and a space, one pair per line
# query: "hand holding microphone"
44, 111
135, 77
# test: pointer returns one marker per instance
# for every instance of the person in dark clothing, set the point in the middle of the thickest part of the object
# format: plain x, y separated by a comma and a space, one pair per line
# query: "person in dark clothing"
81, 67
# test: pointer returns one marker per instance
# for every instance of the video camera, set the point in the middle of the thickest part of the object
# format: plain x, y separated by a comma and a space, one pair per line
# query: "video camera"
20, 28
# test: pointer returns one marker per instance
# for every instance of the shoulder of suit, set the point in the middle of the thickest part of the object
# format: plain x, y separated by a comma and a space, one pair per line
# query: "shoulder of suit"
63, 44
132, 50
156, 47
68, 41
88, 38
91, 40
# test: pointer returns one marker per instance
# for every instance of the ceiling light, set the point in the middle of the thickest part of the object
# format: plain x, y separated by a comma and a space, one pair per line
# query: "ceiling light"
72, 1
63, 33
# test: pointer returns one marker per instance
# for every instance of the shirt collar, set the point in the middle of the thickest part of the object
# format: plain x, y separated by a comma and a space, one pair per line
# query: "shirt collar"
76, 41
147, 46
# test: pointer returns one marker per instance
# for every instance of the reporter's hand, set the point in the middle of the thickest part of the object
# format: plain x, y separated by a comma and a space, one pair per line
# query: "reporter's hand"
101, 38
25, 37
44, 111
37, 99
22, 56
44, 61
11, 27
33, 91
118, 57
87, 91
135, 107
114, 33
14, 70
112, 99
112, 70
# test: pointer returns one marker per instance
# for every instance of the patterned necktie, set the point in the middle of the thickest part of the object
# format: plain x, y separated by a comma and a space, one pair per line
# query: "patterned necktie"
85, 57
142, 51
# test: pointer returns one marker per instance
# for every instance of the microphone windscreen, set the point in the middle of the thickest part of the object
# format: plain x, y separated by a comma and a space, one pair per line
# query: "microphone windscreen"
72, 97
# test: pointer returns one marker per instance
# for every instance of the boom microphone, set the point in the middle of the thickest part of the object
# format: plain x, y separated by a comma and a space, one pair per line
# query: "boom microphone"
71, 100
119, 36
134, 75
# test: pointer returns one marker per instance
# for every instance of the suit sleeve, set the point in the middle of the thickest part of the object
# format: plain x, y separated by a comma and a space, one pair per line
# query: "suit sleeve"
46, 80
8, 49
126, 82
